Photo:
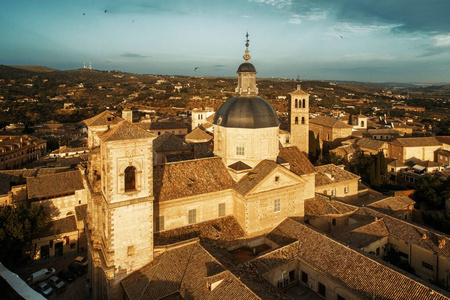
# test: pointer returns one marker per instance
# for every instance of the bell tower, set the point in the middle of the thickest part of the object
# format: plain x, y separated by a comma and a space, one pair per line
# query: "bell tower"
123, 210
299, 118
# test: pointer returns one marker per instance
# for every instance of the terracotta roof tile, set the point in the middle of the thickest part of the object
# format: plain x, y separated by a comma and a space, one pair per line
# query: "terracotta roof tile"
54, 184
170, 142
104, 118
371, 144
185, 270
336, 173
251, 180
168, 125
190, 178
392, 204
360, 274
364, 235
417, 142
239, 166
322, 205
125, 131
329, 122
299, 163
198, 136
60, 226
223, 229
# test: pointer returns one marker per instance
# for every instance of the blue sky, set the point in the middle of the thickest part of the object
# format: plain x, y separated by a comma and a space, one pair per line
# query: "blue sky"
362, 40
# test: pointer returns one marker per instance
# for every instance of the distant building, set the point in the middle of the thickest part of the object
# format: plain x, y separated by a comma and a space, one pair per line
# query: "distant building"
15, 151
421, 148
331, 131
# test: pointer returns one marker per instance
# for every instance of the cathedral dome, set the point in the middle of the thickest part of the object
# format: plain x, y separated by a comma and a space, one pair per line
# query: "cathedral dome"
246, 112
246, 67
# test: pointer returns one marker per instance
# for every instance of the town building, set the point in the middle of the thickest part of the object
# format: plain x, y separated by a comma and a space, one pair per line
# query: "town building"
15, 151
331, 131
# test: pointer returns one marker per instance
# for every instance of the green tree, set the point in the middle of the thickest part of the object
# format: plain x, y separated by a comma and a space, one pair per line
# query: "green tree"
18, 226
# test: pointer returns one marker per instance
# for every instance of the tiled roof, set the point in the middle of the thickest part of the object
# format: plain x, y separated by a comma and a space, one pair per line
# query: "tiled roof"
338, 174
104, 118
125, 131
427, 164
168, 125
371, 144
356, 272
54, 184
210, 119
322, 205
443, 139
239, 166
251, 179
442, 151
364, 235
170, 142
383, 131
329, 122
60, 226
186, 270
396, 163
14, 175
190, 178
392, 204
417, 142
298, 162
198, 136
223, 229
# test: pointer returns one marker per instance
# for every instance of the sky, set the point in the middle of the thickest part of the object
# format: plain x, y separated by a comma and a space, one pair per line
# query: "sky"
359, 40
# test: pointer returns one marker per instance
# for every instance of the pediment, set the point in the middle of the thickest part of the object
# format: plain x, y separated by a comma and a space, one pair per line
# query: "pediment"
280, 177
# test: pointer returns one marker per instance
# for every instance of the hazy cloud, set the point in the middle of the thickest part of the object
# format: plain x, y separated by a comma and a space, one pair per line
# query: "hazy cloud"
134, 55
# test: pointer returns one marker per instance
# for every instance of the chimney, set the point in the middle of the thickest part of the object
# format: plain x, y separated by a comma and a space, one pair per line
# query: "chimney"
127, 114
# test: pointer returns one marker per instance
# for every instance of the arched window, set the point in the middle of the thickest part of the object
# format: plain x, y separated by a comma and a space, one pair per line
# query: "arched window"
303, 120
304, 103
296, 103
130, 178
296, 120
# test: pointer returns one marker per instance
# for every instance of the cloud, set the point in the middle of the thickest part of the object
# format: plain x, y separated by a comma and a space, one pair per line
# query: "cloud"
314, 15
219, 66
134, 55
275, 3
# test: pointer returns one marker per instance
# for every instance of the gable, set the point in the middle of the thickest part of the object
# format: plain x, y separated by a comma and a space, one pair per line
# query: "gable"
280, 177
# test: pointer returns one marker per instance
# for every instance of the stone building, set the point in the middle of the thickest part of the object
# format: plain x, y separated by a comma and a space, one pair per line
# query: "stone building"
422, 148
331, 131
16, 151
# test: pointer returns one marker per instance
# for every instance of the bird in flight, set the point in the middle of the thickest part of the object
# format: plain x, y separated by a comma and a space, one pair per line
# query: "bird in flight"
195, 69
106, 11
341, 36
84, 14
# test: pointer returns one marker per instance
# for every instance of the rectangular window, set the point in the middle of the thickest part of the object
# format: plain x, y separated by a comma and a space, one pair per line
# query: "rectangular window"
304, 277
322, 289
277, 206
427, 265
192, 216
159, 223
346, 188
240, 150
221, 209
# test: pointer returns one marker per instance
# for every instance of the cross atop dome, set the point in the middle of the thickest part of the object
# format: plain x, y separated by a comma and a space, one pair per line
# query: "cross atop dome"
247, 55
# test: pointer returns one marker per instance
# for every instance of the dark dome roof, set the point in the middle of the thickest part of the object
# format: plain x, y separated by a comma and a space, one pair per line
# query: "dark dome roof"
246, 112
246, 67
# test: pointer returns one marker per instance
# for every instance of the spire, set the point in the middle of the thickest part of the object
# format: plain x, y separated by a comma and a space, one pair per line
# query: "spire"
246, 55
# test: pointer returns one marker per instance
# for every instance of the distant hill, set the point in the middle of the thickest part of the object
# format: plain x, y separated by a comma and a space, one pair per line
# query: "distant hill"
35, 68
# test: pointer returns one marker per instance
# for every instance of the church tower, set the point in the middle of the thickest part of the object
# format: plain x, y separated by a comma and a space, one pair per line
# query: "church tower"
299, 119
122, 210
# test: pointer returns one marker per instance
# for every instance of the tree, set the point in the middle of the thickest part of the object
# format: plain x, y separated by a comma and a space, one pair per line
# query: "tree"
18, 226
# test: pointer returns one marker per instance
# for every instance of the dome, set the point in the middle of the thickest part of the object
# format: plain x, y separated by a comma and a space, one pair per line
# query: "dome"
246, 67
246, 112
